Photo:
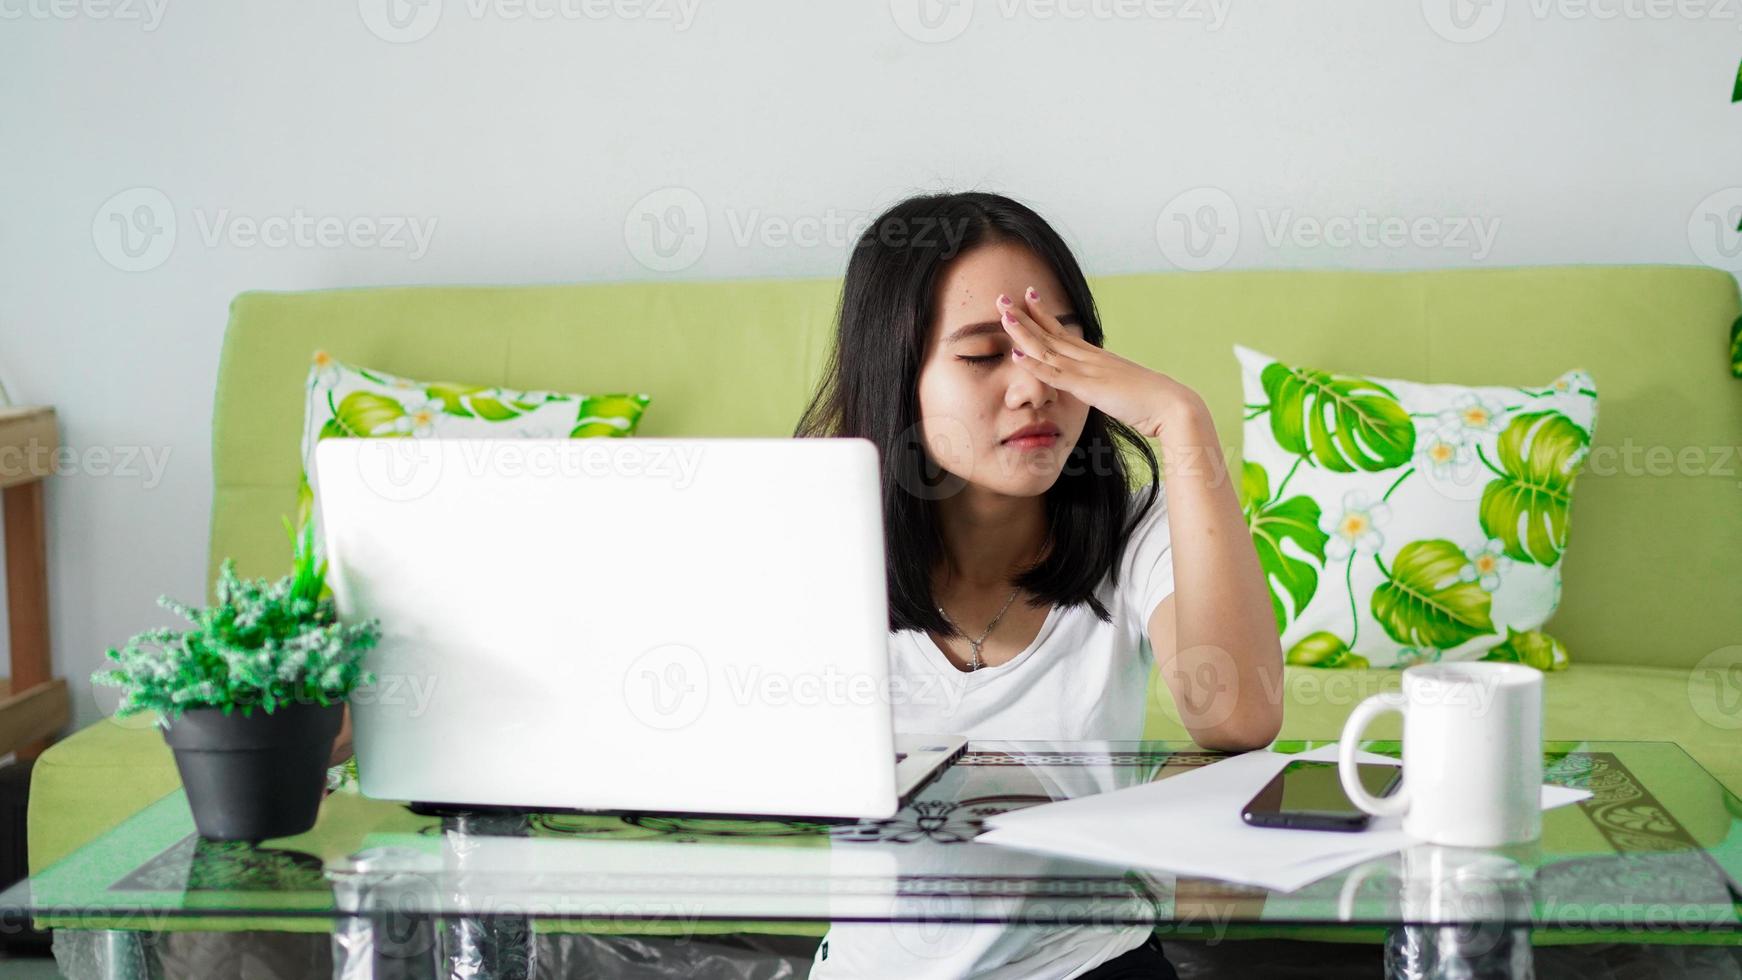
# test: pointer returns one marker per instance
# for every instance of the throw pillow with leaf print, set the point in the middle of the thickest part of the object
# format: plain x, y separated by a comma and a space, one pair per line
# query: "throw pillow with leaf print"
1403, 523
357, 402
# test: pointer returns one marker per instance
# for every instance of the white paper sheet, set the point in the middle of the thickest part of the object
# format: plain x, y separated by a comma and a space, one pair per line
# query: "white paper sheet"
1190, 824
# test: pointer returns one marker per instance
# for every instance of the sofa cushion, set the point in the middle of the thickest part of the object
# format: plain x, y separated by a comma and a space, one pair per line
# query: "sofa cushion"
1403, 523
347, 401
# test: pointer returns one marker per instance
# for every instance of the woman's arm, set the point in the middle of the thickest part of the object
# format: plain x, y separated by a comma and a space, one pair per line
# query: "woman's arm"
1215, 637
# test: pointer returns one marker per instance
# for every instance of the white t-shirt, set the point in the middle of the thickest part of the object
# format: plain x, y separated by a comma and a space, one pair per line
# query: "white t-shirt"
1079, 679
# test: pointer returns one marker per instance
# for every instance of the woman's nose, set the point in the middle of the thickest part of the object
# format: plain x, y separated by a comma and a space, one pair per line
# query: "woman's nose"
1027, 389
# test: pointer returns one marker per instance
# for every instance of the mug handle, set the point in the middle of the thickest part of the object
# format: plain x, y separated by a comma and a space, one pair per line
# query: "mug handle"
1388, 806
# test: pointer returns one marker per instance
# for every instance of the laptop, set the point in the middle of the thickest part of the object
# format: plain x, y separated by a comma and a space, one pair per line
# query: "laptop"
643, 625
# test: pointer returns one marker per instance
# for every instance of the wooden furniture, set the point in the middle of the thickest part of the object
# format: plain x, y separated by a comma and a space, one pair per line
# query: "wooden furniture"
33, 704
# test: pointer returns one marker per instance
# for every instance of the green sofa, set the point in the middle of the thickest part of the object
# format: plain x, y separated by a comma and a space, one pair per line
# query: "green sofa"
1654, 560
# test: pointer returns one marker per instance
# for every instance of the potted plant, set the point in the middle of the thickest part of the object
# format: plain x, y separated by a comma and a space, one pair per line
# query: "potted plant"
250, 698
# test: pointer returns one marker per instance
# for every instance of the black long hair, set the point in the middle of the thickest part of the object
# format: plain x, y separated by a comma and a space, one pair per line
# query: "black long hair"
870, 390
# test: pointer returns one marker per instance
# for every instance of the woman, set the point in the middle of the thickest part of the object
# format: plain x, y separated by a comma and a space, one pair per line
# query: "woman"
970, 351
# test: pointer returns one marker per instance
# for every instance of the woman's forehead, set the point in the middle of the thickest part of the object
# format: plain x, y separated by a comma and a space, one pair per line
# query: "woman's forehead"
968, 290
1000, 267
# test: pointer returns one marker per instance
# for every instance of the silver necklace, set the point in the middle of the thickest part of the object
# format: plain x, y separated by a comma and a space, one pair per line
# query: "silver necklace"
975, 664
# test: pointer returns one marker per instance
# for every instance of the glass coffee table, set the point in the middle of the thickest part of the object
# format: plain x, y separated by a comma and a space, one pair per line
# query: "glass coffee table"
1653, 856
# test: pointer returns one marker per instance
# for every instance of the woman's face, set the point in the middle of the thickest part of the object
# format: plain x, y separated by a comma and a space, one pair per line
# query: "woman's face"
973, 394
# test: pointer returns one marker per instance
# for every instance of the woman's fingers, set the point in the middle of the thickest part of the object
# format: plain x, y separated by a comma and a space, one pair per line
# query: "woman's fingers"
1048, 322
1026, 336
1066, 343
1034, 339
1035, 353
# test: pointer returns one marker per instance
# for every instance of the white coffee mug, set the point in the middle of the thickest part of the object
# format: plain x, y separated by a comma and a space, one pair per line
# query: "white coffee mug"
1472, 754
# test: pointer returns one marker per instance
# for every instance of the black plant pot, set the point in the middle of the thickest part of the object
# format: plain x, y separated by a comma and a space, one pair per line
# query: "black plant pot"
256, 777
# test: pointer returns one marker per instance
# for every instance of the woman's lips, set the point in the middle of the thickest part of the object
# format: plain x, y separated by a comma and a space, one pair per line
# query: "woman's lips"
1032, 442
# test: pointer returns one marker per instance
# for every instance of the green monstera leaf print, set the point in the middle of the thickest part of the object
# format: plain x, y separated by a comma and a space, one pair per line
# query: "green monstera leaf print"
1424, 602
1736, 347
1344, 423
608, 415
1526, 506
1532, 649
1325, 650
477, 401
362, 414
1272, 522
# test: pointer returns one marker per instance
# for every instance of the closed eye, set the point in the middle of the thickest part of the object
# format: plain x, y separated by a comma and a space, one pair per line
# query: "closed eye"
983, 360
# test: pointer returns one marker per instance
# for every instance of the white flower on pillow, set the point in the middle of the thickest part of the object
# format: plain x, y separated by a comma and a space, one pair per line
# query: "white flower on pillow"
419, 419
1487, 561
1447, 453
1570, 382
1356, 529
325, 370
1470, 414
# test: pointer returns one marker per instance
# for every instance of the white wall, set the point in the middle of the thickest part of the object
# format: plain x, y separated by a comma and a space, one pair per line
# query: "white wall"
1570, 132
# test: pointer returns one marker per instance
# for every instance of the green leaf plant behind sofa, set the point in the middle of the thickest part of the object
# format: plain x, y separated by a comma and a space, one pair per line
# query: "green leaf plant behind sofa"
1652, 573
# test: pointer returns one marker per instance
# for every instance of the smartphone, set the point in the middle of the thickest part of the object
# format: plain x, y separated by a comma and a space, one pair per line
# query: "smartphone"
1309, 796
